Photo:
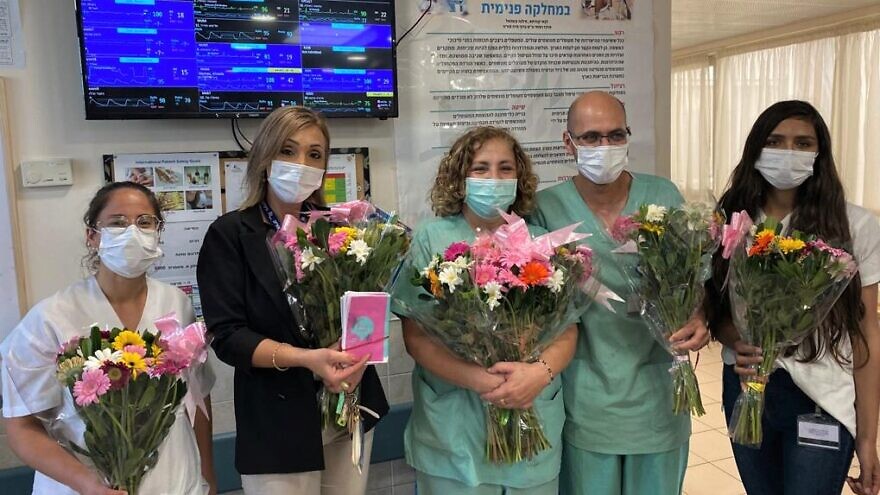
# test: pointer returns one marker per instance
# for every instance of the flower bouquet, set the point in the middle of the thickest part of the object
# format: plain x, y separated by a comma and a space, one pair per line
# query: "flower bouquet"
675, 248
353, 248
781, 288
127, 386
505, 297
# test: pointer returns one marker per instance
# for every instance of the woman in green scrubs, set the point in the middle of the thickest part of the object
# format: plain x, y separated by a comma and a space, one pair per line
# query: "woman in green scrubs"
485, 170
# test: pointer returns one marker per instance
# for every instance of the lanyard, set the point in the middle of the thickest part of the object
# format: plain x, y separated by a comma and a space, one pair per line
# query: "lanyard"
270, 215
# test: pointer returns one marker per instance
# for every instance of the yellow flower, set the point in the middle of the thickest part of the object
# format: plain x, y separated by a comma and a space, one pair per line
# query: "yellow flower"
157, 351
653, 228
789, 245
135, 362
127, 337
69, 368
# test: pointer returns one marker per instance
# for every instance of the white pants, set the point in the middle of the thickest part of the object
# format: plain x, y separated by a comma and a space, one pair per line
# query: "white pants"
339, 476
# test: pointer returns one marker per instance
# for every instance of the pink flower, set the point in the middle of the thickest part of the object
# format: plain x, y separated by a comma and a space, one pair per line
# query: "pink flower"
69, 346
336, 242
166, 367
137, 349
91, 387
624, 228
510, 279
733, 234
185, 346
516, 255
297, 263
455, 250
483, 274
483, 249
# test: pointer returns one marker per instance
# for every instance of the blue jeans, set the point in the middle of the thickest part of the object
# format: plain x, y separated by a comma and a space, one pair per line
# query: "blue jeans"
780, 466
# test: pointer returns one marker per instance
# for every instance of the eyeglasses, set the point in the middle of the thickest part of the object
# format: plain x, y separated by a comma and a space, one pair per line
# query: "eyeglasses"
593, 138
145, 223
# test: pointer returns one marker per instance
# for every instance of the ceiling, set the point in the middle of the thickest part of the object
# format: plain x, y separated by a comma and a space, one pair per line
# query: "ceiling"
695, 22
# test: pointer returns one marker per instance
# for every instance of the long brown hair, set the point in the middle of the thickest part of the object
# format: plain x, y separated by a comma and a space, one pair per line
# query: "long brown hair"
448, 192
278, 126
820, 209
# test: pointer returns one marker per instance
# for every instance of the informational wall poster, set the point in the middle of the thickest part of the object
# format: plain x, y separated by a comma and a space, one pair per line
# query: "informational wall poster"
11, 37
187, 184
517, 65
188, 188
340, 180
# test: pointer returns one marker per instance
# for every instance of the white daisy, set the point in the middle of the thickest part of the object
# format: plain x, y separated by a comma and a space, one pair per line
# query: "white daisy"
555, 281
360, 250
309, 260
655, 213
100, 357
450, 276
493, 293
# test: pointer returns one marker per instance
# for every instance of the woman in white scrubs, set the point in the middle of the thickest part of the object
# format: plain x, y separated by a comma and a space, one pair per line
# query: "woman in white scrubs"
123, 223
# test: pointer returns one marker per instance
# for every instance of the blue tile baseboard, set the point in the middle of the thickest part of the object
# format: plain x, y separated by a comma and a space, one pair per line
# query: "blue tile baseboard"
387, 446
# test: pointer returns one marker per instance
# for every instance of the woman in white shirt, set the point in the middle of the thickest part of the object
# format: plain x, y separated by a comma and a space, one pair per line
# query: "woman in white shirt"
787, 172
123, 222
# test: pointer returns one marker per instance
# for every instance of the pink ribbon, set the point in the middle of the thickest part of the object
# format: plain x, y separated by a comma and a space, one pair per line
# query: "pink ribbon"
351, 212
189, 345
516, 233
733, 234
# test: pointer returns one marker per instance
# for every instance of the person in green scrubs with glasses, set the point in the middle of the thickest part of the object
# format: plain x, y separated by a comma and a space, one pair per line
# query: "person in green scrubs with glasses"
485, 170
621, 437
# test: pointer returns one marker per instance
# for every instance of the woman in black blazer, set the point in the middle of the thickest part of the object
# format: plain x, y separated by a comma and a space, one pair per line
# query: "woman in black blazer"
279, 446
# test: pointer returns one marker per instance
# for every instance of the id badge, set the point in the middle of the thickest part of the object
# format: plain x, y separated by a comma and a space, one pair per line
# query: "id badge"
633, 304
818, 430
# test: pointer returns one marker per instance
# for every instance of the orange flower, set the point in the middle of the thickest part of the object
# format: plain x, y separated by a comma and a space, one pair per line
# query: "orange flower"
534, 273
762, 242
436, 288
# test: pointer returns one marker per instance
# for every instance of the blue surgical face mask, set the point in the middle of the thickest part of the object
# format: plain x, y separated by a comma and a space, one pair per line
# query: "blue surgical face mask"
486, 196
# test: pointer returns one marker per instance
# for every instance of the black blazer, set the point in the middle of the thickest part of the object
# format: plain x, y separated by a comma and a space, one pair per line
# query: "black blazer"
277, 416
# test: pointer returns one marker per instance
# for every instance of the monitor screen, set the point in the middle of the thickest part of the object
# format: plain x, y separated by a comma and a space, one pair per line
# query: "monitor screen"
237, 58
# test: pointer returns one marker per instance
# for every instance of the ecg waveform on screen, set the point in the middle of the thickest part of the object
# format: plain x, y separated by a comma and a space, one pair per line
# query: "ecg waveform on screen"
122, 102
227, 106
231, 36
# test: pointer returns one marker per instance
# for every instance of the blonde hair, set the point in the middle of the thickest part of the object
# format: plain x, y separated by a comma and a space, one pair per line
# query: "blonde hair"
273, 133
448, 192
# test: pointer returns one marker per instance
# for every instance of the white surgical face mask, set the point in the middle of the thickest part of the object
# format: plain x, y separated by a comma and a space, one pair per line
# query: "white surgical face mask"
601, 164
785, 169
293, 182
128, 252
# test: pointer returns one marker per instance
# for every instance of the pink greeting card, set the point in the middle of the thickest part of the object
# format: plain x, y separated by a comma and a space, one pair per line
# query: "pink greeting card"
365, 326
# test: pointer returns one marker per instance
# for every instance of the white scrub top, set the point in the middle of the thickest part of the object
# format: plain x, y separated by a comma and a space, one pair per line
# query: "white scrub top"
29, 386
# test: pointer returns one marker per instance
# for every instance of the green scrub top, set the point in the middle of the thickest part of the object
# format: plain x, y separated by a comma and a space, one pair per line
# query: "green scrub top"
617, 389
446, 433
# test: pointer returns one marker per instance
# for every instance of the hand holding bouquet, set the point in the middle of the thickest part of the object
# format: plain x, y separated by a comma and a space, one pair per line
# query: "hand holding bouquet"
781, 288
127, 386
675, 248
504, 298
355, 249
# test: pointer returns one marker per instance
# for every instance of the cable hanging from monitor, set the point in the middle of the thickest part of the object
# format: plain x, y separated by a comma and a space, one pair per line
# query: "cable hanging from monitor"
234, 122
424, 13
240, 133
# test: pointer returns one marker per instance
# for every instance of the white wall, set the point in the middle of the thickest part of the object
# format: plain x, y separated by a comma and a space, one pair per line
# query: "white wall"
47, 120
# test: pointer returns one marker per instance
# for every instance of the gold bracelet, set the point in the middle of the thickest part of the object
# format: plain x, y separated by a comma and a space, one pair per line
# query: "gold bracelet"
274, 352
547, 367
